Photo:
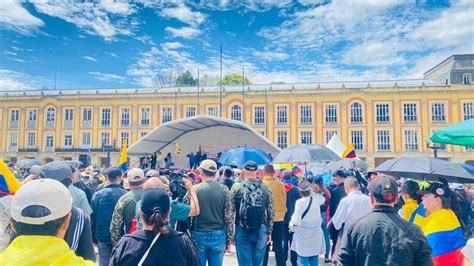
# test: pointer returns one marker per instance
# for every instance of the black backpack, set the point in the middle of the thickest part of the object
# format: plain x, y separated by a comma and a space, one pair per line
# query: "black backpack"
252, 208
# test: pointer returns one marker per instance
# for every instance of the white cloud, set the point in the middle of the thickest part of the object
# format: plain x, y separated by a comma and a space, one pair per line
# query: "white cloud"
94, 19
270, 56
112, 54
118, 7
19, 60
107, 77
184, 32
172, 45
184, 14
9, 53
16, 17
13, 81
90, 58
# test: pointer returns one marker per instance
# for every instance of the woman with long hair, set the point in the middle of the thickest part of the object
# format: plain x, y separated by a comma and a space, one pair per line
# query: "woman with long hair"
156, 244
412, 211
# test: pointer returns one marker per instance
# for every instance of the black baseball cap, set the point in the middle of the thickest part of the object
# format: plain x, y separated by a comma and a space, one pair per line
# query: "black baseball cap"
437, 188
251, 166
155, 200
114, 173
384, 189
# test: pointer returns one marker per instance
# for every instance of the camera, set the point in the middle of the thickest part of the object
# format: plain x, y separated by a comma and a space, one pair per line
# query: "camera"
177, 188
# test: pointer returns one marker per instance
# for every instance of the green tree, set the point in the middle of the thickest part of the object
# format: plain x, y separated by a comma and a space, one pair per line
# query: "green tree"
234, 79
185, 79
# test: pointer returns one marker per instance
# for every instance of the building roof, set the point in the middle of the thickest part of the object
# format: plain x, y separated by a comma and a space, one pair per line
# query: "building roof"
449, 59
216, 89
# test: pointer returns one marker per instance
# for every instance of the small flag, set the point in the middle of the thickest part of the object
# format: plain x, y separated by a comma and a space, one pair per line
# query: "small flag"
123, 164
177, 150
8, 182
296, 170
349, 152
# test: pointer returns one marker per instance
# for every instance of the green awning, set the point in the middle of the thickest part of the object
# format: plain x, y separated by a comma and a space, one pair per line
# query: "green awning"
461, 134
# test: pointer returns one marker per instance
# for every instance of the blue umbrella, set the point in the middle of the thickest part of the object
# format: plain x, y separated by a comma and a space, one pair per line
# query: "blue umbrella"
239, 156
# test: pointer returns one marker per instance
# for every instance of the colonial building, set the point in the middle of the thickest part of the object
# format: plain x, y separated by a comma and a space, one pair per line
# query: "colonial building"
382, 119
456, 69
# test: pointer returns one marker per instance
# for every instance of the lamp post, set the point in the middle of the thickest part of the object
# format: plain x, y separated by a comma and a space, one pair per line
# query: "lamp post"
435, 148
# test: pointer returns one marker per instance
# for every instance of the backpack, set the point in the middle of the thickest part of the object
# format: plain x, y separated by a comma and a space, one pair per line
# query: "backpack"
252, 208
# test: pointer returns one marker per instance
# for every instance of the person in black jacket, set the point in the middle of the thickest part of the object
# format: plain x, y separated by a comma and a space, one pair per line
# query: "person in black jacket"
382, 237
292, 195
156, 244
337, 191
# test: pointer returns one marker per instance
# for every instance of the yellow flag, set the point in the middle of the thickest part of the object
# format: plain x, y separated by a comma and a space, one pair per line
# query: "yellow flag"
123, 157
8, 182
177, 150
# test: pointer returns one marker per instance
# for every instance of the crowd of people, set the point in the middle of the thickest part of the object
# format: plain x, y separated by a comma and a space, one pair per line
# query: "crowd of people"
193, 217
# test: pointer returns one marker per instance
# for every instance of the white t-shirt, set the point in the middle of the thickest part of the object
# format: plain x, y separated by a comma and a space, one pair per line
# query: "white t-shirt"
468, 251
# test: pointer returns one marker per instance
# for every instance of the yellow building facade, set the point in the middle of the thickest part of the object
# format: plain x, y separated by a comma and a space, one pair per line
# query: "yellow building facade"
386, 120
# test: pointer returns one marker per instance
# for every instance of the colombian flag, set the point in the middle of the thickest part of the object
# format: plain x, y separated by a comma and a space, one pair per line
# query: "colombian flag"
349, 152
296, 170
123, 164
443, 231
8, 182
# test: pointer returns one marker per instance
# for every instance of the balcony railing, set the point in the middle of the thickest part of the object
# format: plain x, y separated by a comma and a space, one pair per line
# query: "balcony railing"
49, 124
49, 148
13, 124
13, 148
29, 149
31, 124
68, 123
86, 123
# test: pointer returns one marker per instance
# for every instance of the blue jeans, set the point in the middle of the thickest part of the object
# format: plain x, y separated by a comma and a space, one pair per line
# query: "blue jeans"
324, 226
308, 261
105, 249
250, 252
211, 246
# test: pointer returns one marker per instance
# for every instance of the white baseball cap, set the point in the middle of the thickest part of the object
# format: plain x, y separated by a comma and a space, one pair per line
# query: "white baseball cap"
135, 175
47, 193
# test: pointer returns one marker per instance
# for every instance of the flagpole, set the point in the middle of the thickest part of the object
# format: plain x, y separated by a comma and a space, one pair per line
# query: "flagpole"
198, 93
220, 87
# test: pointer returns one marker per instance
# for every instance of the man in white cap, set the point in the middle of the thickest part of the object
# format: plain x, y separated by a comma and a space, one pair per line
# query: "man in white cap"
41, 211
124, 211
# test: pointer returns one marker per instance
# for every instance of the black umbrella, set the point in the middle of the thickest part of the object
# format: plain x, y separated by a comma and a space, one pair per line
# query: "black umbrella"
306, 153
27, 163
428, 168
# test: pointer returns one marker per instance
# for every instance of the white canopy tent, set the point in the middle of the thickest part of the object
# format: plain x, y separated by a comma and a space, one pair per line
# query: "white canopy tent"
206, 133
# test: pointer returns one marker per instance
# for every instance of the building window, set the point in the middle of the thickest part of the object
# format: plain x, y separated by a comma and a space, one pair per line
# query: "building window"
68, 141
145, 121
259, 115
104, 139
124, 137
306, 137
410, 113
68, 117
438, 112
331, 114
14, 118
49, 143
383, 113
468, 109
213, 111
86, 139
357, 139
32, 117
411, 140
86, 117
306, 114
383, 140
356, 113
31, 140
105, 122
13, 141
125, 117
167, 114
50, 117
466, 79
236, 113
190, 111
282, 139
329, 135
282, 115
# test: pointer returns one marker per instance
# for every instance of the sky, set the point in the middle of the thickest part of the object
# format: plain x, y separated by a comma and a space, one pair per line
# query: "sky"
124, 44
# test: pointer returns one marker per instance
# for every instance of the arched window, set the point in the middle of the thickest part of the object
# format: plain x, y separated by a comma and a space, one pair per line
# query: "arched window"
50, 116
236, 113
356, 113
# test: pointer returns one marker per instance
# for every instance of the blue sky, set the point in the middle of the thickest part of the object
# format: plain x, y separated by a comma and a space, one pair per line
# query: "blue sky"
146, 43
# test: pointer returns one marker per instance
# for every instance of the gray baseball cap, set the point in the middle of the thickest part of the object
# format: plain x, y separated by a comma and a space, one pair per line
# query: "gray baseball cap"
56, 170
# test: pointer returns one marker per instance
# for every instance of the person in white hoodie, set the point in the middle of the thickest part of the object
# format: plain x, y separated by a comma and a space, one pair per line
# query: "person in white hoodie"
308, 239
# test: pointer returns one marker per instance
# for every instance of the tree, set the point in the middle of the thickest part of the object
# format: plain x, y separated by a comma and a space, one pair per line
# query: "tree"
185, 79
277, 82
234, 79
